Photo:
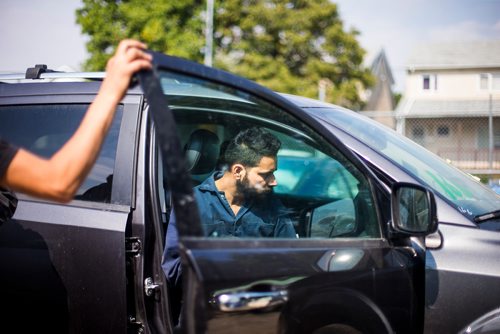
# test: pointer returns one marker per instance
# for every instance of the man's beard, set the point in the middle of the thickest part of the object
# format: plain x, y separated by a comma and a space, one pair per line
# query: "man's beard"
243, 187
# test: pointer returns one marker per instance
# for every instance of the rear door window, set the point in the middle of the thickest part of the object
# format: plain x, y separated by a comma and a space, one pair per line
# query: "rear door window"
43, 130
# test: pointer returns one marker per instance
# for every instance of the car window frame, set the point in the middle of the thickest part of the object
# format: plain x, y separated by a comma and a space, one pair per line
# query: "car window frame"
123, 188
194, 70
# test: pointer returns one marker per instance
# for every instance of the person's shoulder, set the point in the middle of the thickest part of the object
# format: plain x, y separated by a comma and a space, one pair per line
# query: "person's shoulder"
204, 186
208, 184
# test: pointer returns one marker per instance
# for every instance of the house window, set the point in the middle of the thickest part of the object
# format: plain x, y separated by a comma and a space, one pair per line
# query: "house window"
495, 81
443, 131
429, 82
489, 81
484, 81
418, 132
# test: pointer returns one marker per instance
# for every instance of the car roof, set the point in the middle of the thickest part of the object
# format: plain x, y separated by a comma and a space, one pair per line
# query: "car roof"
305, 102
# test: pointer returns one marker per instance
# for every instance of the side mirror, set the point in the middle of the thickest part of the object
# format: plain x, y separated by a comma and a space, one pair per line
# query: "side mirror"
413, 209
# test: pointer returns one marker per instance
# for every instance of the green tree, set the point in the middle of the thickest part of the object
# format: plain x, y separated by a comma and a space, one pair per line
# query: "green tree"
173, 27
288, 46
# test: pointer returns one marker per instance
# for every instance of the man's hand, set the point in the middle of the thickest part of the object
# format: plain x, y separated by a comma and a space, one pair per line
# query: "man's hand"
59, 177
128, 59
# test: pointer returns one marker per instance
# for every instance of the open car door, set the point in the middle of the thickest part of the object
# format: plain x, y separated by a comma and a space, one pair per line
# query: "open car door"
339, 272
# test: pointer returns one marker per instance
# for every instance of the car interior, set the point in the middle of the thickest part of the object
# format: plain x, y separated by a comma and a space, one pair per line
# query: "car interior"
323, 197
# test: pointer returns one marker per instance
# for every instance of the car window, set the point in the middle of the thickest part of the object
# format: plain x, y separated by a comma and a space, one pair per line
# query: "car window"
319, 193
469, 196
43, 129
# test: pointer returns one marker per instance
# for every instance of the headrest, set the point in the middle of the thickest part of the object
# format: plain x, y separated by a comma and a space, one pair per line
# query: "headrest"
202, 151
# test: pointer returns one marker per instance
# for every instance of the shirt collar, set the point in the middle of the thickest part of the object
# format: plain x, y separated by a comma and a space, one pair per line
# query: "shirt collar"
209, 183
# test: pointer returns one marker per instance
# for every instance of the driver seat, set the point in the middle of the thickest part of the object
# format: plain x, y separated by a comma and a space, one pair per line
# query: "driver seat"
202, 153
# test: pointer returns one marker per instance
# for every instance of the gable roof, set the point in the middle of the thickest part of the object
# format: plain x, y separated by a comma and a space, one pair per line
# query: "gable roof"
381, 97
380, 67
456, 55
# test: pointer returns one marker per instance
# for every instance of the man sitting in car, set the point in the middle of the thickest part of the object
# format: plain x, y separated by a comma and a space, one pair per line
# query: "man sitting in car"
237, 201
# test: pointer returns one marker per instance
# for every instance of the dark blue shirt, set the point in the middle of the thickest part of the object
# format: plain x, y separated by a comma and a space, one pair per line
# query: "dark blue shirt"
260, 217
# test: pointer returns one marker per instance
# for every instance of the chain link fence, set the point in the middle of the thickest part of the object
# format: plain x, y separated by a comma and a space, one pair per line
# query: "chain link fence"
470, 143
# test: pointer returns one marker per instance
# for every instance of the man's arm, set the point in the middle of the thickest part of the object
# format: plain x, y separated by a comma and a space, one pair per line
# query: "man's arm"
171, 261
284, 225
59, 177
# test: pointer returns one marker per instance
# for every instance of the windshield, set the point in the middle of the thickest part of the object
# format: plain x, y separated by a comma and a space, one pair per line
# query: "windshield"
470, 196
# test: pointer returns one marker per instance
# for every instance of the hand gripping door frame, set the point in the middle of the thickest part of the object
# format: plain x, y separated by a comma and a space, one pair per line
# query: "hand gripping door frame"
179, 181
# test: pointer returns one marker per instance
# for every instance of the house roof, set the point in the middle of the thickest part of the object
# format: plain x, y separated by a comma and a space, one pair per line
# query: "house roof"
453, 55
381, 93
439, 109
380, 67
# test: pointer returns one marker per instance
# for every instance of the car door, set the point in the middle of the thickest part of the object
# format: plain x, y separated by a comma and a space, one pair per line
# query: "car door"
340, 272
452, 254
64, 265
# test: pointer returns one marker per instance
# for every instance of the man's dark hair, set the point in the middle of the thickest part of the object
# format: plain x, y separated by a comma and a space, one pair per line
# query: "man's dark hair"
250, 146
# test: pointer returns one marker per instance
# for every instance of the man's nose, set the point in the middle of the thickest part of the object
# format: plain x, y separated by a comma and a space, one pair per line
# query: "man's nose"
272, 181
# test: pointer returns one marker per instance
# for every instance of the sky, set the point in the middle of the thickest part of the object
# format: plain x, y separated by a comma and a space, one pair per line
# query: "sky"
45, 31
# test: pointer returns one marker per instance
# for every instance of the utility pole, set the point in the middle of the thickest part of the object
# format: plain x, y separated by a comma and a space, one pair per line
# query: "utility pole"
209, 33
490, 134
323, 85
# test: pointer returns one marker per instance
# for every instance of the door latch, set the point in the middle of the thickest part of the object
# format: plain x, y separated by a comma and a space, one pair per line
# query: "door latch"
150, 286
133, 246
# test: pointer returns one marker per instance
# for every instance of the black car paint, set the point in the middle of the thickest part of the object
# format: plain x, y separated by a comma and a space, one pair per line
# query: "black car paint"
64, 266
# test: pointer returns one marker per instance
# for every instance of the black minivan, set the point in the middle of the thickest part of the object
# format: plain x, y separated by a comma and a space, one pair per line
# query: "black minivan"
361, 261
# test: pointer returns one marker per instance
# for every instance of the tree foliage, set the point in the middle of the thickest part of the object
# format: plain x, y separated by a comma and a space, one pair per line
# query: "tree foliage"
288, 46
173, 27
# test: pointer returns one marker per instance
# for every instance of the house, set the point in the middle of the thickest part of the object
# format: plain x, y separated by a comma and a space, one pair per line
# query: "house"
451, 104
380, 101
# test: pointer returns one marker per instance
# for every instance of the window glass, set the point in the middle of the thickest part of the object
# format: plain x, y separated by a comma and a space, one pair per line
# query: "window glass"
429, 82
484, 81
495, 82
426, 82
444, 179
443, 131
43, 129
308, 190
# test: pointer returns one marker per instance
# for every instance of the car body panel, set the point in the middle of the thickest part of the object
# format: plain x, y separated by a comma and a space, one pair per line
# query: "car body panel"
461, 267
64, 265
46, 249
462, 278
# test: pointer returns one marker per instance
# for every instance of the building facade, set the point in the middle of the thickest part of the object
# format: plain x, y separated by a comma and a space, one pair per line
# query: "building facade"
451, 104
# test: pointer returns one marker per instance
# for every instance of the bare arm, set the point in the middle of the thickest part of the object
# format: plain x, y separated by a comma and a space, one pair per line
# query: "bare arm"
59, 177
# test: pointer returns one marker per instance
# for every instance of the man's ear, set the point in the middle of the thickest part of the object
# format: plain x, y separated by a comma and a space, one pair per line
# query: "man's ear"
238, 171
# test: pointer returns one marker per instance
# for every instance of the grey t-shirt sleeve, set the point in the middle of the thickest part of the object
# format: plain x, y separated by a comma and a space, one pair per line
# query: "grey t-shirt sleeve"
7, 153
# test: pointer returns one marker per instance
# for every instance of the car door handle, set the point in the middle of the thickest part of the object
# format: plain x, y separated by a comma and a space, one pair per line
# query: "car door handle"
246, 301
